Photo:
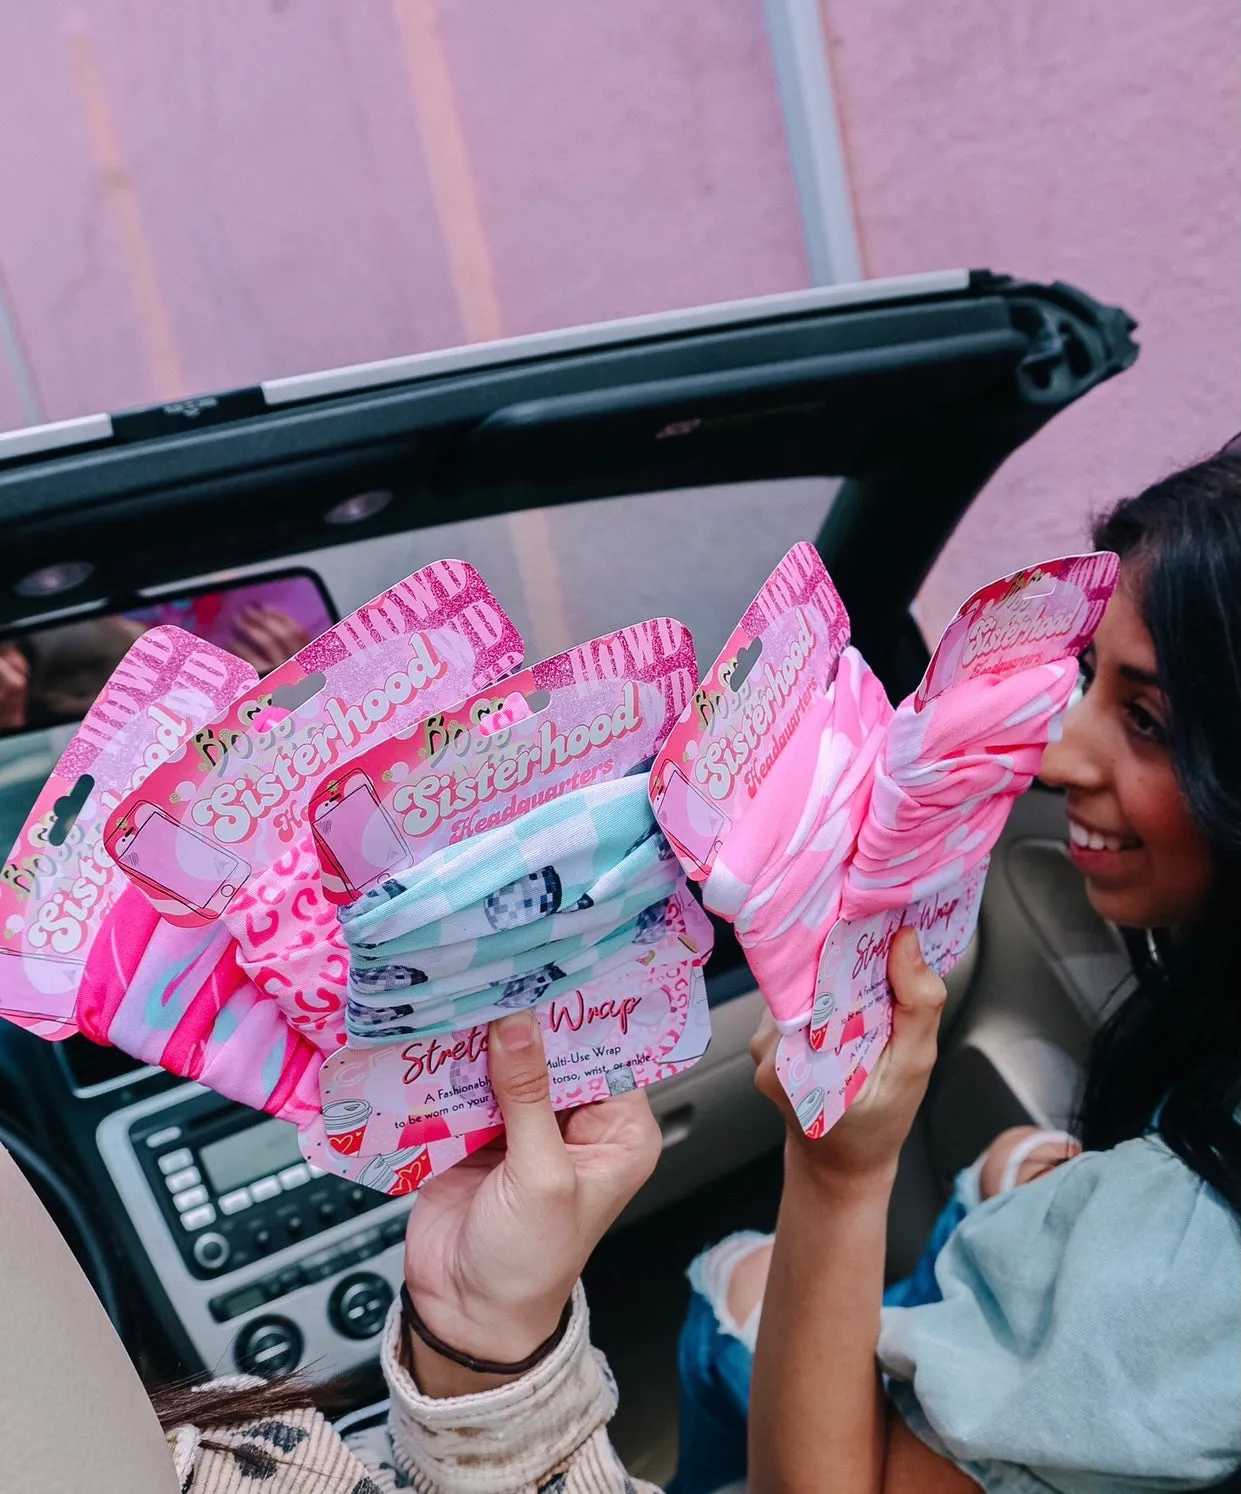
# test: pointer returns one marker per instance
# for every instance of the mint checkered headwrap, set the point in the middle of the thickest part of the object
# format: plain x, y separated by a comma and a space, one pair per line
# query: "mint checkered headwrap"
511, 918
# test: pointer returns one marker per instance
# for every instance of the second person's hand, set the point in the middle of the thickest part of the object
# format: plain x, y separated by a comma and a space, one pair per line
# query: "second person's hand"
14, 686
863, 1146
495, 1244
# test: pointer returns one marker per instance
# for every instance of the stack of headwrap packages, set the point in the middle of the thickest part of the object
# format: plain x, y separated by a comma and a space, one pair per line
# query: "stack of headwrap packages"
59, 888
170, 895
820, 820
504, 856
167, 897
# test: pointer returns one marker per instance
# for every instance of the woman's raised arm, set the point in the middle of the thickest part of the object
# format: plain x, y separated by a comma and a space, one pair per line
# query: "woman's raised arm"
493, 1254
819, 1421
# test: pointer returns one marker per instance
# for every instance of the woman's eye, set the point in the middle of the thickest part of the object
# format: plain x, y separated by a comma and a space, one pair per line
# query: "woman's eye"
1146, 725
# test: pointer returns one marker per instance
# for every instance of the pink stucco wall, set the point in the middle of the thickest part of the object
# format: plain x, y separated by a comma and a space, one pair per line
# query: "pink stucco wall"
199, 196
194, 197
1093, 141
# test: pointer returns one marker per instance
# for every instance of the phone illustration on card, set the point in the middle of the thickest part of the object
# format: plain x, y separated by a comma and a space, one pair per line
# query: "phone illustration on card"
173, 860
356, 837
694, 825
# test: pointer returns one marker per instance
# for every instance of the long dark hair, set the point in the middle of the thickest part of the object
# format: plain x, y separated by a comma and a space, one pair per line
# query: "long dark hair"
1169, 1059
198, 1402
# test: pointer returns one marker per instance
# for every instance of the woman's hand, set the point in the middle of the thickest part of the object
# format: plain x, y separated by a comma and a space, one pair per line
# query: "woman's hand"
865, 1143
495, 1244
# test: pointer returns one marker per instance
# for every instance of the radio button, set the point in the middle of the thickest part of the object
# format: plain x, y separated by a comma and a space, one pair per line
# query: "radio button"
295, 1176
264, 1188
287, 1280
175, 1161
233, 1203
363, 1246
393, 1230
268, 1347
358, 1307
198, 1218
260, 1241
325, 1263
294, 1225
190, 1199
162, 1138
185, 1178
211, 1251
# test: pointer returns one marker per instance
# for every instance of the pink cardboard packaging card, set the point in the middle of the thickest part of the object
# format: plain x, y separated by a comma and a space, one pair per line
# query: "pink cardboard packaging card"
59, 882
588, 715
1043, 613
1035, 616
779, 660
229, 803
395, 1114
414, 1102
824, 1066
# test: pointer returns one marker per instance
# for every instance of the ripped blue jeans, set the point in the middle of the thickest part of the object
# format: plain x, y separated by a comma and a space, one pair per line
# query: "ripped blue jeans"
715, 1361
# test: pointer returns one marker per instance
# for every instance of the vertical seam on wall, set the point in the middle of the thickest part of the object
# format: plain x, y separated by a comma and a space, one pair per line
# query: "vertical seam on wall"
846, 139
795, 31
119, 192
473, 277
452, 177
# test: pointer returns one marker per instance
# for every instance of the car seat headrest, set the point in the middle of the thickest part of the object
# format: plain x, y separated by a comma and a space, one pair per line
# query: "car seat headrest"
73, 1413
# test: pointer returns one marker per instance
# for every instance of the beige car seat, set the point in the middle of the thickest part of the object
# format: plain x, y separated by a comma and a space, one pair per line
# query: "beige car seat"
73, 1414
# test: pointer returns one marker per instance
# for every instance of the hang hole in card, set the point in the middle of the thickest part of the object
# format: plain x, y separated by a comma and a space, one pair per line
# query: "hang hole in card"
285, 699
747, 658
514, 708
65, 811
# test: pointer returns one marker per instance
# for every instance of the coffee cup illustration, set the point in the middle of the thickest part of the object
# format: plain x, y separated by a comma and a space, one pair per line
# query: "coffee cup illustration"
809, 1109
397, 1173
820, 1015
345, 1124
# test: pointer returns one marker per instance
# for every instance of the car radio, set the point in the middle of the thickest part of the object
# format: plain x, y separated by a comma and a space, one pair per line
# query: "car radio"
268, 1262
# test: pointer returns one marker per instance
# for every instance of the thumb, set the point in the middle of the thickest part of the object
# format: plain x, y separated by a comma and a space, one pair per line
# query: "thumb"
520, 1082
918, 996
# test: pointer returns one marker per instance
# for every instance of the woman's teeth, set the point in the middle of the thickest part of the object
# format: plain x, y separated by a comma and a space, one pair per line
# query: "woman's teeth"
1092, 840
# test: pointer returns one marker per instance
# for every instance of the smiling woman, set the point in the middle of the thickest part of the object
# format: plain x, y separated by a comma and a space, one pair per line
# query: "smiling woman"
1152, 777
1074, 1321
1131, 830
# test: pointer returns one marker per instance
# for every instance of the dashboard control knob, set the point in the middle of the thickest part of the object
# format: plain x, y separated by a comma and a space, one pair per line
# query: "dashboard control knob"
359, 1304
261, 1241
356, 1197
211, 1250
294, 1225
268, 1347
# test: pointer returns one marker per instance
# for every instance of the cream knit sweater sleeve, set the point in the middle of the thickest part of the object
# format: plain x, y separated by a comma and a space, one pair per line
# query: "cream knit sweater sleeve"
545, 1432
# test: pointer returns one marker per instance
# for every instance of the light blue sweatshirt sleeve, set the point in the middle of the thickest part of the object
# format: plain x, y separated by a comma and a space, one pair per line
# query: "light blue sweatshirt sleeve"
1089, 1340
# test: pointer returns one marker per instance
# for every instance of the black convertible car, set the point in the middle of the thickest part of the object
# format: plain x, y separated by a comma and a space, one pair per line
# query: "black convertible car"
595, 476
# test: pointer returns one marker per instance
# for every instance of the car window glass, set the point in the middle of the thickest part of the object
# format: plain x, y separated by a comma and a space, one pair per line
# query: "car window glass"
228, 196
565, 575
570, 573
